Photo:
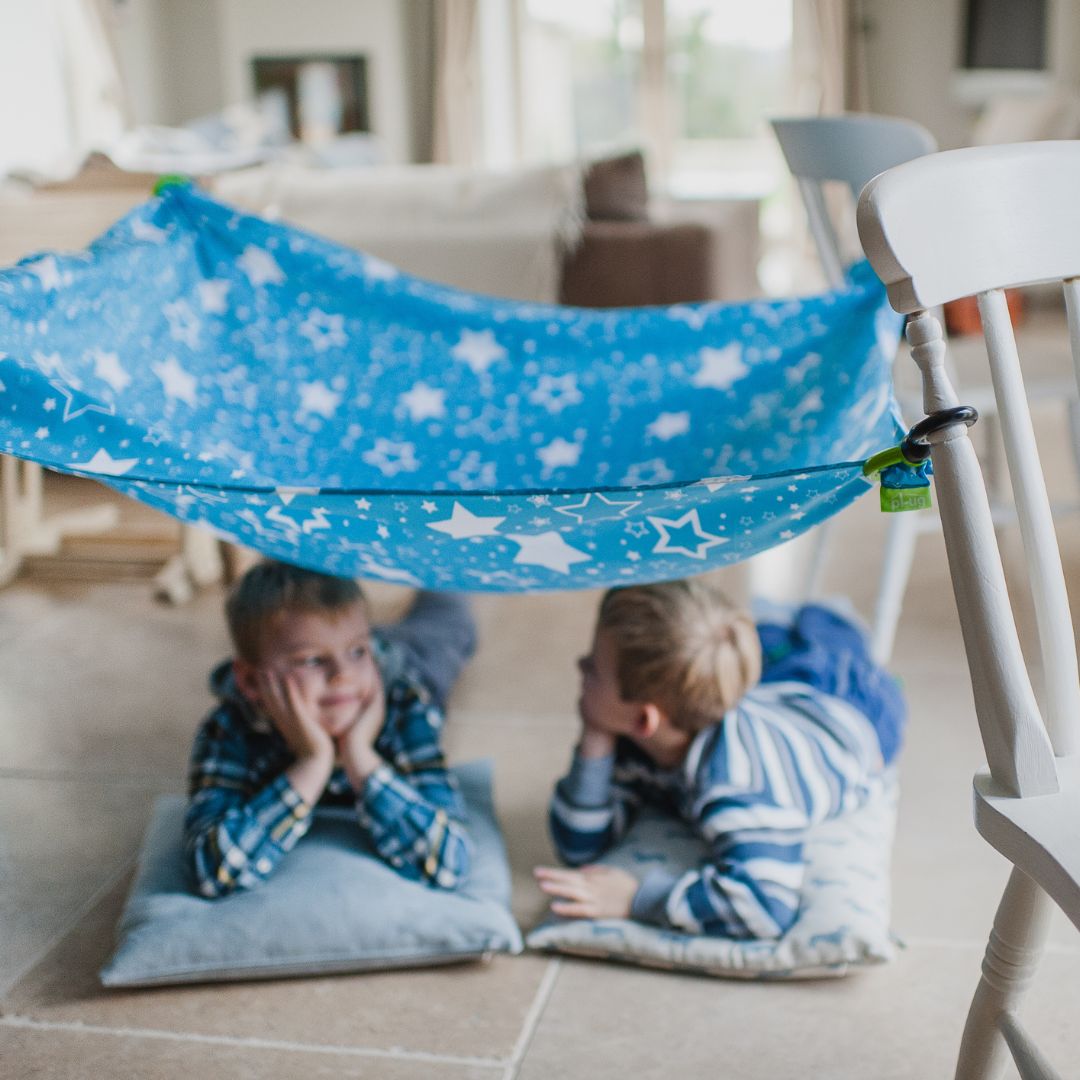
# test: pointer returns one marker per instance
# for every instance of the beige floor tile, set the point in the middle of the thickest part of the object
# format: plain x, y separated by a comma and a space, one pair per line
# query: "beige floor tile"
94, 1055
104, 680
468, 1010
899, 1022
528, 761
61, 842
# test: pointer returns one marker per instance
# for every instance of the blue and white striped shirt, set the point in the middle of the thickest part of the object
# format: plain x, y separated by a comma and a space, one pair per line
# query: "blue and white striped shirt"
244, 816
785, 758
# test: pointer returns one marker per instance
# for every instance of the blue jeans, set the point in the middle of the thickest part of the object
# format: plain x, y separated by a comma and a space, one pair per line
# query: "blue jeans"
826, 651
434, 639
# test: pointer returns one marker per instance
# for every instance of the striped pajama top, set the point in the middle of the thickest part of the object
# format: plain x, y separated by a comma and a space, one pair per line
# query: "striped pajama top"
785, 758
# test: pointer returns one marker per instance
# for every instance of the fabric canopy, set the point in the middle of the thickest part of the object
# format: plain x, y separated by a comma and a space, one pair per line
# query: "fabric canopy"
325, 408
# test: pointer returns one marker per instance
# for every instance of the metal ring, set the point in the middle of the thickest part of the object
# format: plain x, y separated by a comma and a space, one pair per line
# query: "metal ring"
916, 444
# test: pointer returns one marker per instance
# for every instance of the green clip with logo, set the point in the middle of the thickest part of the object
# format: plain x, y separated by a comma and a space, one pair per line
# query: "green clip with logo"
905, 485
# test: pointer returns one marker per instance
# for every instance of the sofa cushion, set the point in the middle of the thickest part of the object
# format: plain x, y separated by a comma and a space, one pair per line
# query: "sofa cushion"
616, 189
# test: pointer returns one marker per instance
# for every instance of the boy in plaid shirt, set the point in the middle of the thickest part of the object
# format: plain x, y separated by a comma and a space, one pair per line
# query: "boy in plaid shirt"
317, 709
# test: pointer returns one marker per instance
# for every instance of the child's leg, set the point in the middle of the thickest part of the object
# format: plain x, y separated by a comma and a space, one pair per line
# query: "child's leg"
437, 635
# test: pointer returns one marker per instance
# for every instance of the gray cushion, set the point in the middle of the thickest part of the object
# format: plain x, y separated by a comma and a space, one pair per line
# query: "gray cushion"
330, 907
843, 921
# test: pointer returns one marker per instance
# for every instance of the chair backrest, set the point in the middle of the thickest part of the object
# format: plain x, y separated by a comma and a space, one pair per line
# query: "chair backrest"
954, 224
849, 149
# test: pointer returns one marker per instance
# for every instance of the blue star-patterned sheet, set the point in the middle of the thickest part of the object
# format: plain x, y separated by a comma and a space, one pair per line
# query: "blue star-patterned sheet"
323, 407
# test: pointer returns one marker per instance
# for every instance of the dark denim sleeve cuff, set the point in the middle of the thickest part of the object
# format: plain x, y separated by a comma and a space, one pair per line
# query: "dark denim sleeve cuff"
588, 783
650, 901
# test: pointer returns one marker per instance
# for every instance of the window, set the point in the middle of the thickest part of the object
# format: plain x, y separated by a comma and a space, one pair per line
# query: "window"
692, 81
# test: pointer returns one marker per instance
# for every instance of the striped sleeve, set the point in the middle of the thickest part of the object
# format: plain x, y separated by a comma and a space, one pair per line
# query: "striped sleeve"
589, 811
785, 759
411, 808
236, 833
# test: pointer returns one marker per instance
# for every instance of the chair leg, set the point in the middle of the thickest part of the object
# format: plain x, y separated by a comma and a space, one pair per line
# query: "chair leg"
1012, 956
898, 557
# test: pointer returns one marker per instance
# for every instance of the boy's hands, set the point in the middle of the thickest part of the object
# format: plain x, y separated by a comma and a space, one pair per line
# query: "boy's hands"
593, 892
356, 746
295, 718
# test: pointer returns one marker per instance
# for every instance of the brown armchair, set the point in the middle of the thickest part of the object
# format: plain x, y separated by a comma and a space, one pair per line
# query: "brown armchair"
624, 259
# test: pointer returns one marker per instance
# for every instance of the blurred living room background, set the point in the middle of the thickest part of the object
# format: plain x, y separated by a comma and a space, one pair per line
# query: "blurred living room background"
588, 152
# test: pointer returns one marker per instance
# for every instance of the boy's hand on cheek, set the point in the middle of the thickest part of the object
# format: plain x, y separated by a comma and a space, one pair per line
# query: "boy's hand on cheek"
593, 892
356, 746
296, 719
595, 743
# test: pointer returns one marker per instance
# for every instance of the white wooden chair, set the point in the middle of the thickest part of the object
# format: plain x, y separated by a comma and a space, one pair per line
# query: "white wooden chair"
850, 150
972, 222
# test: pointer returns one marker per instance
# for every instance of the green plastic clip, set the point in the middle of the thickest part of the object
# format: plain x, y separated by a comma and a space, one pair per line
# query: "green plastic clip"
171, 180
904, 485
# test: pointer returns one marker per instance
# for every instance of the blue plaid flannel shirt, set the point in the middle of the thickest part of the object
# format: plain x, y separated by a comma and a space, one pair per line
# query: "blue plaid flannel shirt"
244, 816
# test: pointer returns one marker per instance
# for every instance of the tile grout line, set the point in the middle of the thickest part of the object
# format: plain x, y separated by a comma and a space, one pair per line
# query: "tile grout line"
1050, 948
250, 1043
68, 925
532, 1019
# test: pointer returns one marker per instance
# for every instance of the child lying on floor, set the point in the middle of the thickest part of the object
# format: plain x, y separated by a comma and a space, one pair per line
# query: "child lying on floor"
318, 709
677, 710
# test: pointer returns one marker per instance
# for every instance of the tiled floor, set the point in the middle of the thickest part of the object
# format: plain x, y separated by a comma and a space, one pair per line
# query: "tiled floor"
100, 690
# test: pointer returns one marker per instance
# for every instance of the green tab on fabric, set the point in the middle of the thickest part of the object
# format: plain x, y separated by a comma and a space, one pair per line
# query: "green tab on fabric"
895, 500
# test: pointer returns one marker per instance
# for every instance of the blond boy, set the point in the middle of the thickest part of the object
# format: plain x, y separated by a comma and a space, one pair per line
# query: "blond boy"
318, 709
673, 713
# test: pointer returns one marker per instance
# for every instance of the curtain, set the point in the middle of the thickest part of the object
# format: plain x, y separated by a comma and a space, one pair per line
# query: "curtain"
457, 136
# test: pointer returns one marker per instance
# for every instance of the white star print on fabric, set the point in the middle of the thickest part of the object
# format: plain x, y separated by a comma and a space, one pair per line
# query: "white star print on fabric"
102, 462
688, 523
391, 458
463, 524
177, 382
260, 267
148, 232
558, 453
323, 330
107, 367
548, 549
76, 403
184, 324
317, 397
424, 403
212, 296
555, 393
720, 367
571, 510
667, 425
46, 272
478, 349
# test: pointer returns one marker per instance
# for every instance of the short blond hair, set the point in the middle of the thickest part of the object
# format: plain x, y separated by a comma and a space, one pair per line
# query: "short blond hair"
270, 588
684, 646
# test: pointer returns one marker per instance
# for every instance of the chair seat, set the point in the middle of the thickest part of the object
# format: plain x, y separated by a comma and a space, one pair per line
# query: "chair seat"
1039, 834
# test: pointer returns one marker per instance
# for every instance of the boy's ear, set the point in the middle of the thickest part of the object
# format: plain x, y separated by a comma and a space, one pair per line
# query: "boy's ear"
245, 675
650, 720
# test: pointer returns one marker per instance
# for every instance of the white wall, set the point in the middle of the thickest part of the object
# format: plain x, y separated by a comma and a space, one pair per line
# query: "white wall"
374, 28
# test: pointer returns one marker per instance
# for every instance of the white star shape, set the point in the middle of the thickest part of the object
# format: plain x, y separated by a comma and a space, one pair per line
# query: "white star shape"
212, 295
363, 504
317, 397
177, 382
260, 267
49, 404
378, 270
548, 549
424, 402
558, 453
478, 349
428, 507
667, 425
571, 509
46, 271
555, 392
720, 367
390, 457
41, 433
690, 518
323, 330
463, 524
71, 410
104, 464
145, 230
107, 367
